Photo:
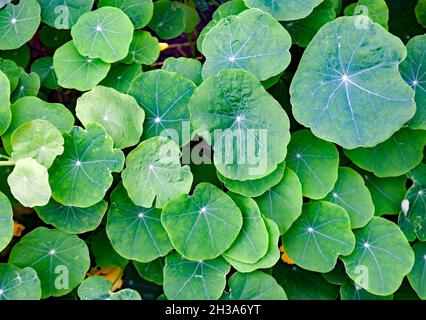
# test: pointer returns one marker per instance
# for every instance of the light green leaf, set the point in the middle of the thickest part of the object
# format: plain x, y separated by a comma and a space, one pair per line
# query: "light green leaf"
418, 273
12, 72
376, 10
6, 221
18, 284
99, 288
63, 14
187, 67
5, 113
28, 85
144, 49
168, 20
120, 76
139, 11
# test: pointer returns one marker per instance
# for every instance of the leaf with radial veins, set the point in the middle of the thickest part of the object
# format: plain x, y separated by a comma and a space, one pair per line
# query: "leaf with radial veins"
247, 127
136, 233
6, 221
382, 249
120, 76
253, 41
139, 11
144, 49
5, 113
71, 219
253, 239
166, 113
194, 280
75, 71
188, 67
118, 113
63, 14
154, 167
351, 194
347, 87
18, 284
105, 33
99, 288
44, 68
315, 161
417, 276
18, 23
37, 139
283, 202
46, 251
83, 174
256, 285
168, 20
413, 70
203, 225
29, 183
29, 85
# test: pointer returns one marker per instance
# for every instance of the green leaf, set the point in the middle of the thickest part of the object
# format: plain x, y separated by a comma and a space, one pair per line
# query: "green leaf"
166, 113
53, 38
315, 161
6, 221
151, 271
187, 67
394, 157
118, 113
351, 194
20, 56
37, 139
60, 260
347, 89
63, 14
28, 85
105, 33
168, 20
44, 68
319, 236
203, 225
12, 71
18, 23
120, 76
18, 284
75, 71
136, 233
413, 70
71, 219
154, 167
285, 10
103, 252
29, 183
144, 49
139, 11
420, 10
253, 41
253, 240
338, 275
418, 273
5, 113
381, 259
192, 18
99, 288
351, 291
249, 129
405, 292
195, 280
83, 174
376, 10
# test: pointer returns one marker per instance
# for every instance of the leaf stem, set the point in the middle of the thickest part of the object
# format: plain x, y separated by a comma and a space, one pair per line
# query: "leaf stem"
7, 163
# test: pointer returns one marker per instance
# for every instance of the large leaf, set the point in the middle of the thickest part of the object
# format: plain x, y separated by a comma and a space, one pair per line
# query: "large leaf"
63, 14
139, 11
18, 284
83, 174
417, 276
6, 221
5, 113
168, 20
99, 288
253, 41
347, 87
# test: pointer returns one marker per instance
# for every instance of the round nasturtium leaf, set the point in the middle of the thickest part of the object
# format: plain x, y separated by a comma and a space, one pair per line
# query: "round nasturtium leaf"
256, 285
83, 174
247, 127
136, 233
192, 18
71, 219
319, 236
413, 70
18, 284
194, 280
139, 11
269, 259
253, 41
351, 194
381, 259
351, 291
154, 167
5, 113
120, 76
203, 225
6, 222
99, 288
144, 49
187, 67
376, 10
28, 85
283, 202
168, 20
29, 183
37, 139
32, 108
105, 33
18, 23
347, 87
420, 11
167, 114
61, 260
63, 14
394, 157
118, 113
315, 161
75, 71
151, 271
417, 275
12, 72
44, 68
253, 240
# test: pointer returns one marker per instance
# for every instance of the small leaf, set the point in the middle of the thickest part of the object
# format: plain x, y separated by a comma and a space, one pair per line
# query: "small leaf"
139, 11
144, 49
168, 21
99, 288
187, 67
18, 284
417, 274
